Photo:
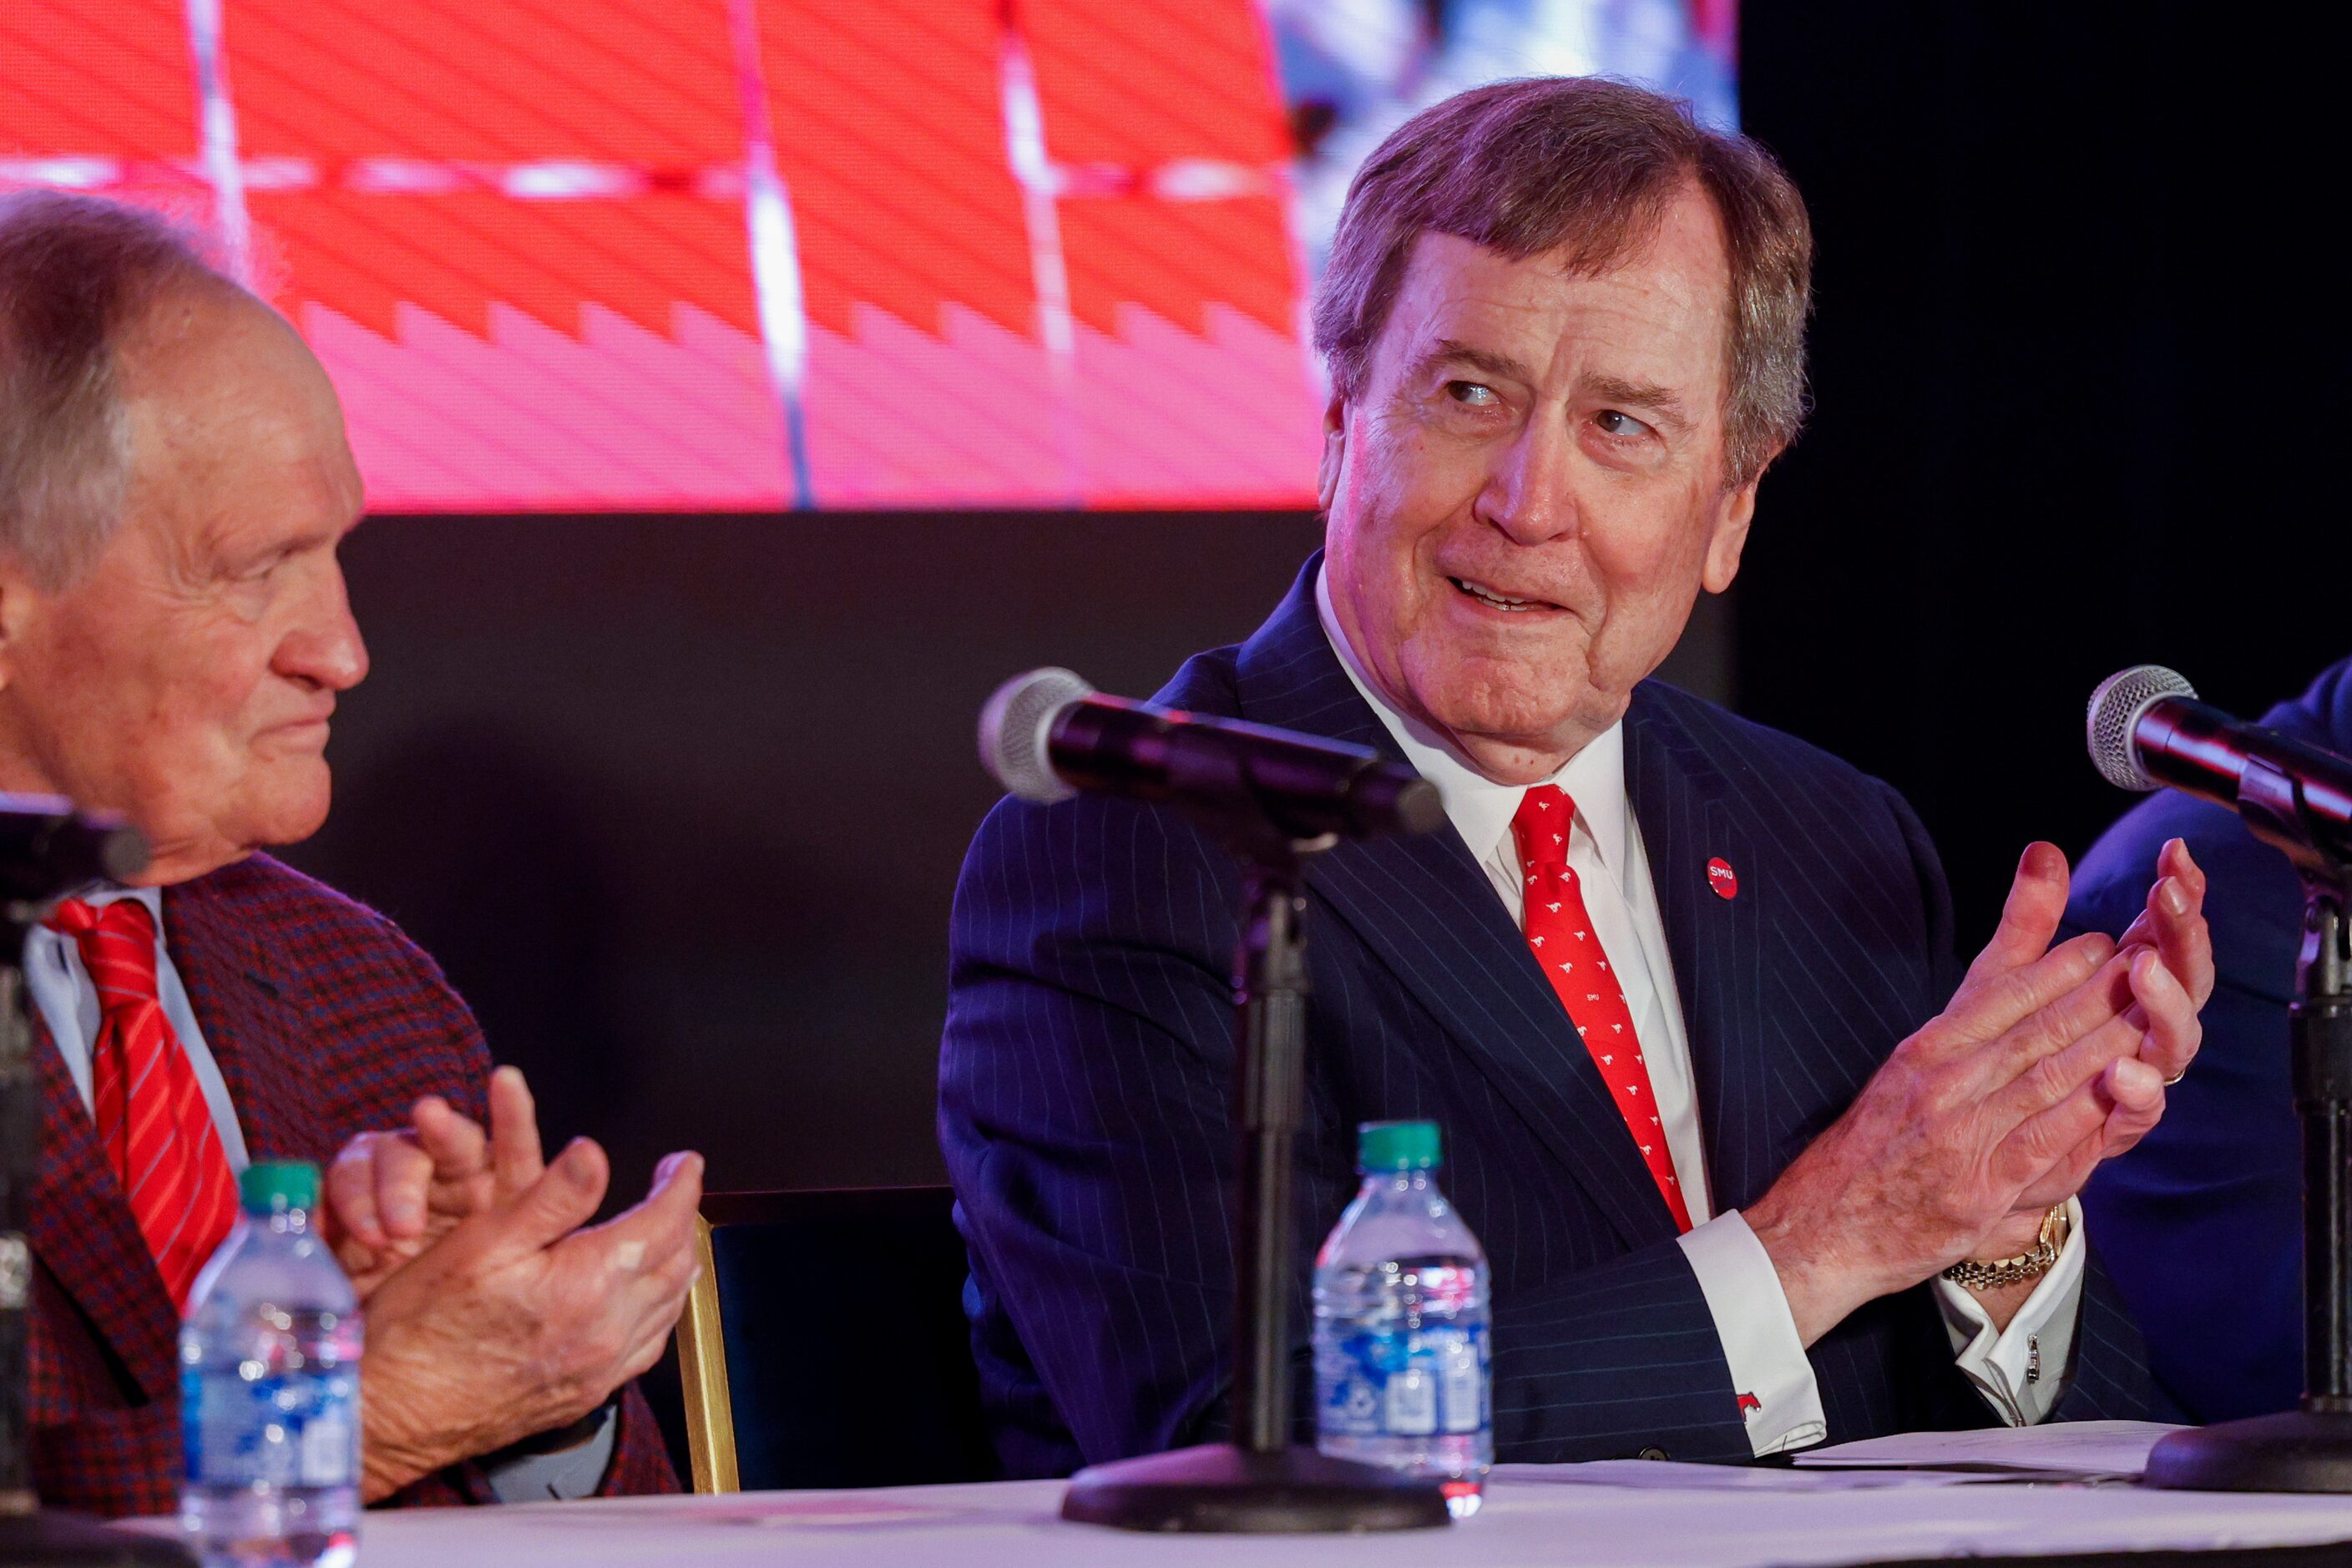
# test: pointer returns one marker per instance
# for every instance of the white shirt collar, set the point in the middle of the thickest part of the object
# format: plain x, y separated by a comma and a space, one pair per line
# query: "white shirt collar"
1480, 809
98, 895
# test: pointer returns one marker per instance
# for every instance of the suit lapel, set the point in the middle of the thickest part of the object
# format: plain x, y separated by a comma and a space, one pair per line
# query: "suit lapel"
1426, 910
1691, 815
246, 1005
81, 1230
81, 1226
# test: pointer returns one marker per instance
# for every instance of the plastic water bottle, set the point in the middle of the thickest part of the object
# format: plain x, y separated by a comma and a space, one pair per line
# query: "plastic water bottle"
269, 1388
1402, 1374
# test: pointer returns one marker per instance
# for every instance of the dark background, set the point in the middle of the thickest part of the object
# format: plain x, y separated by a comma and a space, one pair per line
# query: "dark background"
679, 802
2079, 368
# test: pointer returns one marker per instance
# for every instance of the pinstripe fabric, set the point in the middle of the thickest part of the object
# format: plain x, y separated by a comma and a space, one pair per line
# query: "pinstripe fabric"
1085, 1074
326, 1022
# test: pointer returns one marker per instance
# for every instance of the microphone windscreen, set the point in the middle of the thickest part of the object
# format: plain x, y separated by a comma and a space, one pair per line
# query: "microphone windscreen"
1014, 727
1420, 809
48, 848
2113, 717
121, 852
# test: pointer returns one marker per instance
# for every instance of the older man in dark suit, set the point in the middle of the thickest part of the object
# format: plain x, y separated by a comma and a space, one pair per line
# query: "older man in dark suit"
173, 635
1671, 982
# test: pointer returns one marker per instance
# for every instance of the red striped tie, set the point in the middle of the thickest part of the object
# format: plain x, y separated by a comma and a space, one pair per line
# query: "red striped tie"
152, 1120
1562, 935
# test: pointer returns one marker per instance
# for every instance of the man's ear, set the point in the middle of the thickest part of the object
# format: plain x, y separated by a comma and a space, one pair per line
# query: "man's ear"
16, 598
1733, 513
23, 600
1335, 451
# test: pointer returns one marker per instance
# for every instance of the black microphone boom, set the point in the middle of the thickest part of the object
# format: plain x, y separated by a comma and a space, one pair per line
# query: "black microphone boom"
48, 848
1047, 734
2148, 731
1276, 800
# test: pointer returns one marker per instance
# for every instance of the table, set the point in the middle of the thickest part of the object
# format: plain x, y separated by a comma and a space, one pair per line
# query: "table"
1620, 1514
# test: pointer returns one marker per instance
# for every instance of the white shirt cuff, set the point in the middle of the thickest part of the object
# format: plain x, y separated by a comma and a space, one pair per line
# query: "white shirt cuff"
1770, 1370
2021, 1372
564, 1475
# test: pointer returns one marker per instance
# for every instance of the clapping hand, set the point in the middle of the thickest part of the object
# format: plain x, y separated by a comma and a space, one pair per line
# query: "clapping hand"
492, 1315
2048, 1060
518, 1322
392, 1194
2169, 949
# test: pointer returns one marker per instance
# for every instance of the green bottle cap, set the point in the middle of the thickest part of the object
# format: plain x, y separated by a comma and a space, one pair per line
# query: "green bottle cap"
271, 1187
1385, 1146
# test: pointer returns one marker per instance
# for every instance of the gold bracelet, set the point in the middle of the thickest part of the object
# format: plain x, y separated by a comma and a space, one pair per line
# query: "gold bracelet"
1993, 1274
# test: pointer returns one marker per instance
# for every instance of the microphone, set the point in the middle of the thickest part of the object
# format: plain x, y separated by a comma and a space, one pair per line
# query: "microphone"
47, 848
2148, 731
1046, 735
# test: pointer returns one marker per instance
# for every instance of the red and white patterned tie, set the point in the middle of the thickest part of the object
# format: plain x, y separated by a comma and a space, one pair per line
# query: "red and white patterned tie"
1561, 936
152, 1120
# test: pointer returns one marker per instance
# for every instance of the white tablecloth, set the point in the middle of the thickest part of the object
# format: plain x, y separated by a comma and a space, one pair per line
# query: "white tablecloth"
1686, 1516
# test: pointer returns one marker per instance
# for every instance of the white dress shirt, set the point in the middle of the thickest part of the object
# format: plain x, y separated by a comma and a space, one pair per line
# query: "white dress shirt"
61, 988
68, 999
2019, 1373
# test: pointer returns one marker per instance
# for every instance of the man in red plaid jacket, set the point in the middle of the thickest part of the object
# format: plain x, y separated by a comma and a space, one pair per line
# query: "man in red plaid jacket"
173, 632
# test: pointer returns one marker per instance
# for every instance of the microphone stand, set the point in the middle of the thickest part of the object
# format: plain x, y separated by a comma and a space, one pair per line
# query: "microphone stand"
1261, 1481
2307, 1449
31, 1537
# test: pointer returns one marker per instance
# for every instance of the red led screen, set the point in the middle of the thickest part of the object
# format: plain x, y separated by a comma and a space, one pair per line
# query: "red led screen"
664, 255
679, 255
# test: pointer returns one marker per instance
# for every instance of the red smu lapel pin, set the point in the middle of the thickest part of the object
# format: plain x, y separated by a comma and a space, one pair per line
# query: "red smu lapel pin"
1721, 877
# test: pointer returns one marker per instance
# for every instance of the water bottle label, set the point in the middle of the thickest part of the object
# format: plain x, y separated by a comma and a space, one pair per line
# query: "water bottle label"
297, 1430
1461, 1367
1412, 1403
1404, 1384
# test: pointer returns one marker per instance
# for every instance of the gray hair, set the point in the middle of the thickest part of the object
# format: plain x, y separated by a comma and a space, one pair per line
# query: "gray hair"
1534, 165
77, 273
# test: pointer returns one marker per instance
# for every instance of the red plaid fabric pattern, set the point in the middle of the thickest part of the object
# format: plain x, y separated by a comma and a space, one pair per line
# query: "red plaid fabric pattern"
1561, 934
325, 1022
151, 1118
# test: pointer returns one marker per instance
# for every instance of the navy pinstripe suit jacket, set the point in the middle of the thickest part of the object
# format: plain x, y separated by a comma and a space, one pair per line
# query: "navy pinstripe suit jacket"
1086, 1071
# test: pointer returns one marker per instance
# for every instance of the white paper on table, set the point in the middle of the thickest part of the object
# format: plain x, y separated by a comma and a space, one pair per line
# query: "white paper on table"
1657, 1476
2055, 1447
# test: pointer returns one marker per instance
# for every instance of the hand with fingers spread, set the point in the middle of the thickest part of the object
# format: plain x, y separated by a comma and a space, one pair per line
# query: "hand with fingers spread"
2048, 1060
389, 1195
2170, 950
494, 1316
